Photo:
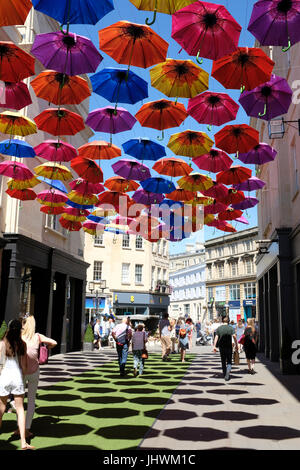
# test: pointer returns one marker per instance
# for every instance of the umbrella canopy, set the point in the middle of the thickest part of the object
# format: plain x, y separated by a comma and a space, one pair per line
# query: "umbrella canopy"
120, 184
243, 220
181, 194
80, 206
15, 64
200, 200
14, 12
212, 108
56, 151
131, 169
162, 114
163, 6
70, 225
246, 204
59, 122
55, 184
14, 184
71, 213
179, 78
230, 214
214, 161
237, 138
87, 169
118, 87
14, 123
52, 196
215, 208
195, 182
115, 198
252, 184
217, 191
93, 228
57, 210
133, 44
66, 53
259, 155
82, 200
75, 11
22, 194
222, 225
17, 148
15, 170
234, 175
58, 88
14, 95
110, 120
269, 100
190, 143
147, 197
144, 149
172, 167
276, 22
206, 29
247, 67
84, 187
53, 171
158, 185
99, 150
233, 197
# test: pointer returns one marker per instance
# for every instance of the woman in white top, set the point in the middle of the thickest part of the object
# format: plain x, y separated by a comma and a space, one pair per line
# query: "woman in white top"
239, 331
173, 335
13, 364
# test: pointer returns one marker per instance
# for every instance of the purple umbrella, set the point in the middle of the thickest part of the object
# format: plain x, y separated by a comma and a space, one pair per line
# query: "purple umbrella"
146, 197
110, 120
131, 170
276, 22
252, 184
269, 100
259, 155
246, 204
66, 53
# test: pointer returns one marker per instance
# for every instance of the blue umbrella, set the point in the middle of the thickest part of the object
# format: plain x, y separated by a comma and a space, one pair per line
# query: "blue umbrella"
75, 11
170, 203
17, 148
115, 230
78, 206
98, 220
144, 149
116, 87
56, 184
158, 185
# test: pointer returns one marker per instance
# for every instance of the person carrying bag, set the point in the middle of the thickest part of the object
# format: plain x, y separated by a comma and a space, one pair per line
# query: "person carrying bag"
139, 350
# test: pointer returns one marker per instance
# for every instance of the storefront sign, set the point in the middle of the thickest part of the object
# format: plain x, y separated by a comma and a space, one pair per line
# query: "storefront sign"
248, 303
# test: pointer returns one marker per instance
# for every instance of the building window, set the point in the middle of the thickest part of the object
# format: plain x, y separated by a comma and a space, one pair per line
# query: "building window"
209, 254
221, 270
98, 240
248, 245
250, 290
139, 242
138, 273
233, 248
52, 221
164, 275
126, 241
234, 292
220, 293
164, 248
209, 272
158, 274
97, 270
210, 293
125, 273
220, 251
249, 266
234, 268
153, 278
186, 309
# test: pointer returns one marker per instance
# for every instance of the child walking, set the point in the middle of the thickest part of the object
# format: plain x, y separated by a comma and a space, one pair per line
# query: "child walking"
139, 340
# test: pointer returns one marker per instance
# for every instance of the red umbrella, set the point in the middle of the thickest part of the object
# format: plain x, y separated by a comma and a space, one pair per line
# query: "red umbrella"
55, 151
215, 208
59, 122
221, 225
84, 187
237, 138
181, 195
71, 226
233, 197
52, 210
87, 169
212, 108
15, 64
172, 167
234, 175
217, 191
99, 150
120, 184
14, 95
214, 161
113, 198
230, 214
22, 194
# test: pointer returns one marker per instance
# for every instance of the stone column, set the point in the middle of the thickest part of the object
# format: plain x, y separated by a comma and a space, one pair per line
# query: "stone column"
273, 314
12, 308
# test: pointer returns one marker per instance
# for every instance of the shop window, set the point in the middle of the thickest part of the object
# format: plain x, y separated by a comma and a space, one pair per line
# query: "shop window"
234, 292
138, 273
250, 290
125, 273
97, 275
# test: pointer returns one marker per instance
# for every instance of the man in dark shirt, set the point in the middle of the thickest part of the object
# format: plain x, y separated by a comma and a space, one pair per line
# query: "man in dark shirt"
223, 340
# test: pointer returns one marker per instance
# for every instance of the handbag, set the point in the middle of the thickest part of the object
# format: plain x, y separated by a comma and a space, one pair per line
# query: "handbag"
236, 358
43, 353
242, 339
144, 352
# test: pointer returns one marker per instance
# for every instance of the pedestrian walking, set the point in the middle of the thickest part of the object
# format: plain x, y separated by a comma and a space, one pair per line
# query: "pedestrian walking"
122, 335
198, 329
164, 334
97, 335
179, 322
139, 340
185, 329
189, 321
239, 331
223, 341
13, 364
250, 344
173, 336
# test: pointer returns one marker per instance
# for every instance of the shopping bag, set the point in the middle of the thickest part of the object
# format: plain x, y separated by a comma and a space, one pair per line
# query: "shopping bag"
236, 358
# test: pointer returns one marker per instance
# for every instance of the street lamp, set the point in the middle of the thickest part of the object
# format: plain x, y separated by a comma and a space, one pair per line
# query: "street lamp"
97, 287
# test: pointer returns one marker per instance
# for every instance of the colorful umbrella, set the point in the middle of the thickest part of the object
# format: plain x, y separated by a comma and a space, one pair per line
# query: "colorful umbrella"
212, 108
144, 149
53, 171
234, 175
252, 184
215, 208
99, 150
230, 214
14, 95
245, 68
269, 100
114, 198
200, 200
59, 88
14, 123
243, 220
131, 169
120, 184
246, 204
133, 44
80, 206
57, 210
276, 22
158, 185
17, 148
190, 143
84, 187
56, 151
55, 184
87, 169
207, 29
259, 155
77, 215
59, 122
147, 197
93, 228
179, 78
163, 6
195, 182
217, 191
233, 197
22, 194
52, 196
71, 226
110, 120
172, 167
222, 225
102, 212
15, 170
15, 64
66, 53
14, 12
181, 195
75, 11
16, 184
83, 200
214, 161
237, 138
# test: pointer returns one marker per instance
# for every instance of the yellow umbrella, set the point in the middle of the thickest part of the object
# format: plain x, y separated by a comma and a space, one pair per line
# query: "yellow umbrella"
204, 201
20, 184
102, 212
195, 182
177, 78
53, 171
14, 123
208, 219
190, 143
83, 199
162, 6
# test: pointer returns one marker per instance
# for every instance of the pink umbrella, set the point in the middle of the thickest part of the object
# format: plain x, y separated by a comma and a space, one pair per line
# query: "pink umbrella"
212, 108
14, 95
84, 187
56, 151
15, 170
131, 169
217, 191
243, 220
214, 161
215, 208
52, 196
89, 225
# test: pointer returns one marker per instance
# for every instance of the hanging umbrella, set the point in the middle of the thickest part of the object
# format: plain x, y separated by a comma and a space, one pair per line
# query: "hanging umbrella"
71, 226
181, 195
114, 198
56, 151
14, 12
246, 204
75, 11
158, 185
217, 191
22, 194
172, 167
84, 187
59, 122
87, 169
269, 100
52, 210
237, 138
234, 175
212, 108
195, 182
55, 184
93, 228
179, 78
14, 123
200, 200
66, 53
118, 87
52, 196
190, 143
215, 208
259, 155
80, 206
222, 225
251, 184
133, 44
99, 150
214, 161
245, 68
16, 184
144, 149
77, 215
233, 197
120, 184
147, 198
230, 214
162, 114
15, 64
101, 213
243, 220
172, 204
17, 148
53, 171
207, 29
15, 170
58, 88
276, 22
14, 95
131, 169
163, 6
110, 120
82, 199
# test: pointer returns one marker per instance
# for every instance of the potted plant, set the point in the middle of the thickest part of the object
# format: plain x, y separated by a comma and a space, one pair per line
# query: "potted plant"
88, 339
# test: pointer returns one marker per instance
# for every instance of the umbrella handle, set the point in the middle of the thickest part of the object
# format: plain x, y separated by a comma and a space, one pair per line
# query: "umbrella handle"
149, 23
243, 88
265, 111
162, 136
200, 61
209, 128
285, 49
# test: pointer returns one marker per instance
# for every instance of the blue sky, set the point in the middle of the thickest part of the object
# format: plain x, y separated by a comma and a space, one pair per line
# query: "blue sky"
124, 10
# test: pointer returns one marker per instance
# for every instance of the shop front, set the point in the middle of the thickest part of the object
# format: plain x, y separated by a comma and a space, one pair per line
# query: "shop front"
136, 303
234, 310
249, 306
220, 308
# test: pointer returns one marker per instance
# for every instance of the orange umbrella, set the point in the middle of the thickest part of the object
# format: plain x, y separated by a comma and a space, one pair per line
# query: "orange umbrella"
15, 64
22, 194
181, 194
133, 44
14, 12
172, 167
59, 88
120, 184
195, 182
237, 138
59, 122
52, 210
190, 143
99, 150
87, 169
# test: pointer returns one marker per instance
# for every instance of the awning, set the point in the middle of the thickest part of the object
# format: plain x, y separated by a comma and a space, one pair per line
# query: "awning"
90, 302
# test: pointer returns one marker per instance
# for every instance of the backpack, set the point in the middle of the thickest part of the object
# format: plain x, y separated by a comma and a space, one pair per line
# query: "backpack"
182, 332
